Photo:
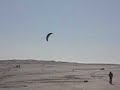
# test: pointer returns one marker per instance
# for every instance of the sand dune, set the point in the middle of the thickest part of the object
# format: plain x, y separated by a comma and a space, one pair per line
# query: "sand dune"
50, 75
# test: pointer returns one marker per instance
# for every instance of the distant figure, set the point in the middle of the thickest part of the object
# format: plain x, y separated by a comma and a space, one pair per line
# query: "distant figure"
18, 66
110, 77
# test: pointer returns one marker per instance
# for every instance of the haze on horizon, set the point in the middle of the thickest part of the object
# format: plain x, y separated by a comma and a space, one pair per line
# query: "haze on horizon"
85, 31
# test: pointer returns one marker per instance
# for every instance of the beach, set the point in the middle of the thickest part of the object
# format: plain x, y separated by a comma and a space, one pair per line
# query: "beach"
51, 75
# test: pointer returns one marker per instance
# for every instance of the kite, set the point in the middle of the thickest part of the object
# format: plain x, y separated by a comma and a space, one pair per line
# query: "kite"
47, 37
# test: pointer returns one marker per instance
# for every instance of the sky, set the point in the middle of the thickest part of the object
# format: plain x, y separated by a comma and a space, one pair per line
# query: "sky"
84, 31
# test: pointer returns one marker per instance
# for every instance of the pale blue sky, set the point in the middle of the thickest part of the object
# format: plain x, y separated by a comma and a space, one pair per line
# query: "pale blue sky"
84, 30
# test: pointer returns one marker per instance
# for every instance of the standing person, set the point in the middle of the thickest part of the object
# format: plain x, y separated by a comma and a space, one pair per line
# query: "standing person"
110, 77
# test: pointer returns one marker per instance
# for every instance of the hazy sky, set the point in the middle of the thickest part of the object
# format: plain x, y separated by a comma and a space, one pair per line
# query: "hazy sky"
84, 30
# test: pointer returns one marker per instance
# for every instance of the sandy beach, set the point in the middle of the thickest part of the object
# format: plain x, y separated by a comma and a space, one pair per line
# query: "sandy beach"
43, 75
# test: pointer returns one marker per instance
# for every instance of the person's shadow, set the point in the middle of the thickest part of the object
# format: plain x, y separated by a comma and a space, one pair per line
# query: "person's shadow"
111, 84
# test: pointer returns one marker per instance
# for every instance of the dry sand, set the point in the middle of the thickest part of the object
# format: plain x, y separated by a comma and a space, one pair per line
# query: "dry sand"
40, 75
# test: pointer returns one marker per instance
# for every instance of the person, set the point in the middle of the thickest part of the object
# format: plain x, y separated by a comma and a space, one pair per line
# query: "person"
19, 66
110, 77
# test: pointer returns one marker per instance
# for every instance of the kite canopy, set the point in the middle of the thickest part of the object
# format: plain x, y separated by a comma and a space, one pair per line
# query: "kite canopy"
47, 37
